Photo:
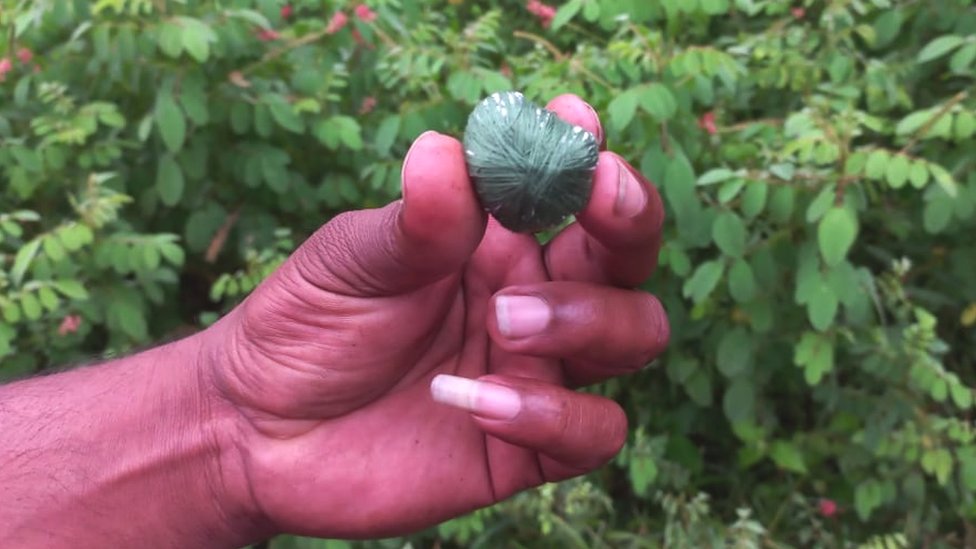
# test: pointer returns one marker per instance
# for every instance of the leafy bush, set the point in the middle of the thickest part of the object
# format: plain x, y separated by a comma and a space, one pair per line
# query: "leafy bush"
159, 158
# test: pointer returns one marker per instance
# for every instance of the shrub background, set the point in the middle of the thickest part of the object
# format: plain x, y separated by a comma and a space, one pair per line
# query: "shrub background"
159, 158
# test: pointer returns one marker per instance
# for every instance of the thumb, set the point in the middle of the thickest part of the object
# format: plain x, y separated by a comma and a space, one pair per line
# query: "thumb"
406, 245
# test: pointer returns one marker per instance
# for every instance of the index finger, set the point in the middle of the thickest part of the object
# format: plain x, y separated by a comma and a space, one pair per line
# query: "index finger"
617, 236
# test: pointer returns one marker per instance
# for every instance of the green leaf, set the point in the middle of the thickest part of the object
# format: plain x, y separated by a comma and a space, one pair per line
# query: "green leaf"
962, 59
386, 134
623, 108
962, 396
918, 174
658, 101
913, 122
742, 282
729, 234
170, 39
754, 199
173, 253
787, 456
783, 171
52, 248
739, 401
822, 306
877, 164
25, 255
11, 313
699, 388
31, 306
169, 181
965, 126
735, 352
717, 175
284, 115
48, 298
71, 289
565, 14
898, 171
170, 122
703, 281
781, 204
815, 354
944, 179
196, 38
867, 497
938, 462
75, 236
819, 206
643, 472
938, 212
730, 189
836, 234
939, 47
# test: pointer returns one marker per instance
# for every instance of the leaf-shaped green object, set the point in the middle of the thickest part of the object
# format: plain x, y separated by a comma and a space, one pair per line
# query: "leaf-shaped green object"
530, 168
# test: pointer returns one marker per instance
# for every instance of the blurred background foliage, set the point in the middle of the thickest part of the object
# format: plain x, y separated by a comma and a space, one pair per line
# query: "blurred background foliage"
158, 158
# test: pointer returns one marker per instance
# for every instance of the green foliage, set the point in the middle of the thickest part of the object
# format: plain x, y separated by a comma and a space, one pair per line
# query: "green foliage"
159, 158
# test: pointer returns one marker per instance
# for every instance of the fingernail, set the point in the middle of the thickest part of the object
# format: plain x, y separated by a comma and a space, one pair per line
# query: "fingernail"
631, 196
406, 162
521, 316
488, 400
599, 127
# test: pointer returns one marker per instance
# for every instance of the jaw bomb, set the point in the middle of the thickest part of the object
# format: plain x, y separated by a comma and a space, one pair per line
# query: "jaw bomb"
530, 169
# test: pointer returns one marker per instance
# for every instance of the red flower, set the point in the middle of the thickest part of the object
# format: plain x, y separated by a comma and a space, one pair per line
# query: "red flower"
25, 55
358, 37
827, 507
544, 12
365, 14
339, 20
799, 13
368, 104
69, 325
707, 123
5, 67
268, 35
286, 11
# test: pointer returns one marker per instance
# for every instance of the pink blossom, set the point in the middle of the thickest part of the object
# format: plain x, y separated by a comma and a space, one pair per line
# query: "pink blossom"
339, 20
358, 37
5, 67
799, 13
69, 325
707, 123
544, 12
25, 55
364, 13
827, 507
368, 104
268, 35
286, 11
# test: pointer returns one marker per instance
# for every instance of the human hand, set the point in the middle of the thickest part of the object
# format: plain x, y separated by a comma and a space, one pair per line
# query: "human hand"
328, 369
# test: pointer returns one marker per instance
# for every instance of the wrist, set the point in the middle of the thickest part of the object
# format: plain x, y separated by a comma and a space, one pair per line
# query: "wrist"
125, 453
227, 432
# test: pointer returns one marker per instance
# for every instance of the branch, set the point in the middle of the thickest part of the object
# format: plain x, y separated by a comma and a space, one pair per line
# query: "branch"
931, 122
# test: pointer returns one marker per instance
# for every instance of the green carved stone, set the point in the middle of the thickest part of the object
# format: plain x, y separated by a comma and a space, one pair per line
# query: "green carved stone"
530, 169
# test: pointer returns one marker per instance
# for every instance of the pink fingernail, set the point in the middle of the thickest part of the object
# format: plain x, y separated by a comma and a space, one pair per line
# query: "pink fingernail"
599, 127
631, 196
488, 400
521, 316
406, 162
